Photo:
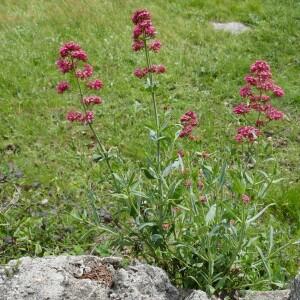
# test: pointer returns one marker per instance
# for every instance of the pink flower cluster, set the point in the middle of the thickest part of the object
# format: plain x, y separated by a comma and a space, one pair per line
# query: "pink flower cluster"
257, 93
248, 133
142, 32
246, 199
75, 116
91, 100
73, 59
143, 25
62, 87
189, 121
86, 72
158, 69
71, 55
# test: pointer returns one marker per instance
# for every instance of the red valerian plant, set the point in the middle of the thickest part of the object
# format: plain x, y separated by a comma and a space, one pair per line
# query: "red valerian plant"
193, 214
257, 92
73, 60
143, 34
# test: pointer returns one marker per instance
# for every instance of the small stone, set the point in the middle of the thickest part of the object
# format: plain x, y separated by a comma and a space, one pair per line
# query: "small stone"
232, 27
197, 295
44, 201
268, 295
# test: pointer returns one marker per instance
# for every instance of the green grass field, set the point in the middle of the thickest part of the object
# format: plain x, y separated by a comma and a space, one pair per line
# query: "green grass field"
46, 166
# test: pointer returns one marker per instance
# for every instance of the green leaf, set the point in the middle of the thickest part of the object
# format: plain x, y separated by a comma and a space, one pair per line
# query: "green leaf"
173, 166
97, 157
265, 262
277, 180
251, 220
238, 185
223, 174
144, 225
271, 239
152, 135
38, 249
156, 237
211, 214
149, 173
207, 170
249, 178
263, 190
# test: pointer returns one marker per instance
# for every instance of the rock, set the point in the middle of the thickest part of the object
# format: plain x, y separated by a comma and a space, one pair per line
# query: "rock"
295, 288
232, 27
269, 295
51, 278
94, 278
197, 295
83, 277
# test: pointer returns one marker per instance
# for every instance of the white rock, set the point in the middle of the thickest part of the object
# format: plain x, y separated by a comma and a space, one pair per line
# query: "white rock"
232, 27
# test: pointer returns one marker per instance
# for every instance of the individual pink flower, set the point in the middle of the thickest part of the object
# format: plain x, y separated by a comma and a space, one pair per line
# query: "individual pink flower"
203, 199
180, 153
246, 199
62, 87
200, 185
86, 72
266, 85
273, 114
155, 46
150, 31
166, 226
89, 117
80, 55
251, 80
265, 98
140, 73
189, 118
138, 45
64, 65
245, 91
75, 116
158, 69
241, 109
247, 133
257, 106
259, 123
137, 32
67, 48
188, 183
204, 155
278, 91
88, 100
186, 131
96, 84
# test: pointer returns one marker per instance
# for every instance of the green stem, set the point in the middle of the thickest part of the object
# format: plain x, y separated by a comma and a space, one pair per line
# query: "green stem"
101, 149
240, 242
156, 117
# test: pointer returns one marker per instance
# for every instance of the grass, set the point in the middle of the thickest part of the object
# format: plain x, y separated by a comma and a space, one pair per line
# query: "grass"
46, 167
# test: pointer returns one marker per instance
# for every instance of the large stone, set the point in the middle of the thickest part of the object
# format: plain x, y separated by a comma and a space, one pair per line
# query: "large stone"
232, 27
83, 277
295, 288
